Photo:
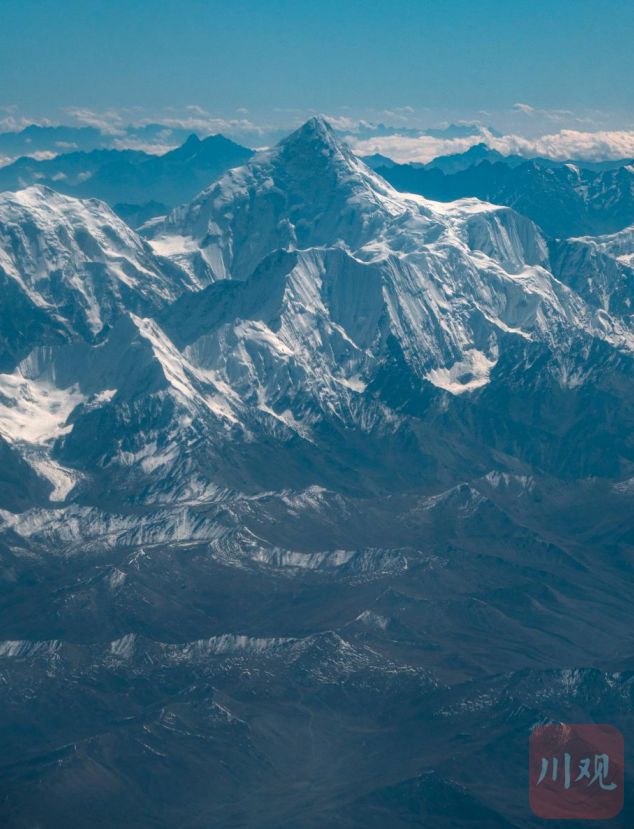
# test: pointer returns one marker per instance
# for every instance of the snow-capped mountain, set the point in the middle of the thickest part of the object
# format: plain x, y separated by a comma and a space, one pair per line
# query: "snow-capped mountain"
618, 245
447, 281
599, 268
310, 313
77, 263
69, 270
131, 181
317, 482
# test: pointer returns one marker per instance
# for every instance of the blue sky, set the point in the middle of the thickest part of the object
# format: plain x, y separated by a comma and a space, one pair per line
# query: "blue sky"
469, 54
567, 63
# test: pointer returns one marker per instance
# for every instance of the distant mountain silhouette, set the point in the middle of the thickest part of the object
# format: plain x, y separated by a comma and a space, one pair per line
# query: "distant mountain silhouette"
65, 138
138, 184
564, 199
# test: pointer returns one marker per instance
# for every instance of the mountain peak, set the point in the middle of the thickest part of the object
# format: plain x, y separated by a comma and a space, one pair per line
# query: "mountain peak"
316, 132
315, 159
318, 126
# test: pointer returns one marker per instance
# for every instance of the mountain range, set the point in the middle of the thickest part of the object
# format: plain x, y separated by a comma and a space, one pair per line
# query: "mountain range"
60, 138
457, 162
63, 138
316, 496
566, 199
136, 184
570, 199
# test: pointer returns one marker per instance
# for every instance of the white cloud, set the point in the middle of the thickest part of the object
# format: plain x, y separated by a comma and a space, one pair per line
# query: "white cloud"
197, 119
206, 124
40, 155
131, 143
43, 155
344, 123
559, 134
15, 123
405, 148
397, 115
560, 115
562, 145
109, 122
192, 118
589, 146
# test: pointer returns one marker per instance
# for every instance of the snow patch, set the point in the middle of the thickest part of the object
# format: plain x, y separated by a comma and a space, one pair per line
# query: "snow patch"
467, 374
34, 411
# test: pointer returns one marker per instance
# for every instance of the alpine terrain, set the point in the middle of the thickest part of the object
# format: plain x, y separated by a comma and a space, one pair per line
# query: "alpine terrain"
315, 498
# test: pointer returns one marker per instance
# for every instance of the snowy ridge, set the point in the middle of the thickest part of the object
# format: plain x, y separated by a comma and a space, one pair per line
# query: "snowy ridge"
77, 259
311, 317
448, 280
619, 245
